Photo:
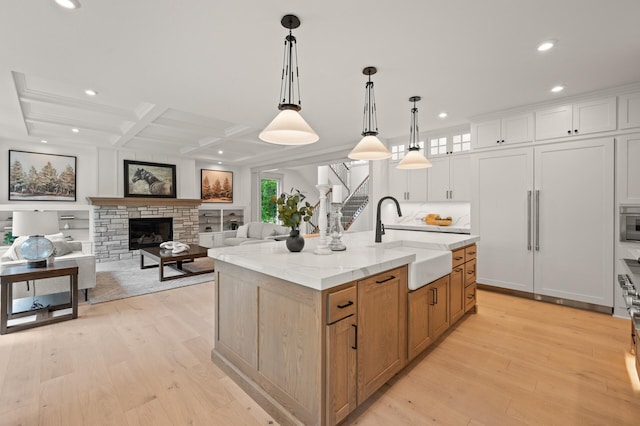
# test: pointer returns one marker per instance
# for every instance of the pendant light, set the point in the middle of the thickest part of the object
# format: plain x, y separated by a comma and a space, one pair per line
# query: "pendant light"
370, 147
289, 128
413, 159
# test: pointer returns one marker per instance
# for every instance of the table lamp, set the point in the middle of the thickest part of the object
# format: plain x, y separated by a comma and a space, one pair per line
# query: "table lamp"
36, 249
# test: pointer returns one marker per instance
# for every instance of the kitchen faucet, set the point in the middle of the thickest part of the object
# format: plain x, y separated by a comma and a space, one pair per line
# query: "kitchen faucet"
379, 225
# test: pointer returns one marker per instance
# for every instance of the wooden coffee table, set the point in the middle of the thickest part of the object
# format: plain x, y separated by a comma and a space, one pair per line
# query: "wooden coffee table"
165, 257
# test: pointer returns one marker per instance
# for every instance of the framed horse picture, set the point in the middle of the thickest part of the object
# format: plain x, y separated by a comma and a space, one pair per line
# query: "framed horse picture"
41, 177
143, 179
216, 186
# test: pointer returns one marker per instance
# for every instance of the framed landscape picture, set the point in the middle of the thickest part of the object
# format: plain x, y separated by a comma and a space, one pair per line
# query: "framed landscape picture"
142, 179
41, 177
216, 186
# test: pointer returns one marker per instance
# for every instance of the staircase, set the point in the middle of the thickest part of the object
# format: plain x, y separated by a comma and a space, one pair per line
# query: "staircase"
351, 207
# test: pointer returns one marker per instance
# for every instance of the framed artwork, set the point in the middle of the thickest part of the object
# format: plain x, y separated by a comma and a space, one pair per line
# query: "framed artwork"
41, 177
216, 186
142, 179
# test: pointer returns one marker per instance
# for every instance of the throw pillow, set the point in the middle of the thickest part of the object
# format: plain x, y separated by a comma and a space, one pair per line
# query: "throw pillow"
60, 245
242, 231
14, 251
268, 230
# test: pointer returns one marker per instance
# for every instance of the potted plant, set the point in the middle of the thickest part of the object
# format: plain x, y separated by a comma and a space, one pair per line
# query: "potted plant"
292, 210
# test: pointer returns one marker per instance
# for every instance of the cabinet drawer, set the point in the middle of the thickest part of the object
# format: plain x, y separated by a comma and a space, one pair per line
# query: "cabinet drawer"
341, 304
470, 253
470, 272
469, 297
457, 257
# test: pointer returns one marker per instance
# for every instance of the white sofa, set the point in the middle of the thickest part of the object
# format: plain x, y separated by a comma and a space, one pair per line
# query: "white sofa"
81, 253
256, 232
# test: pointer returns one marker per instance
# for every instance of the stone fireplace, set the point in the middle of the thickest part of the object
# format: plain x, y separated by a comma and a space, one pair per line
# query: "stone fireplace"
111, 219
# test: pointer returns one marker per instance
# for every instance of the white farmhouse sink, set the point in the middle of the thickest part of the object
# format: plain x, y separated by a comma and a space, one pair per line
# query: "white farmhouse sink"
429, 264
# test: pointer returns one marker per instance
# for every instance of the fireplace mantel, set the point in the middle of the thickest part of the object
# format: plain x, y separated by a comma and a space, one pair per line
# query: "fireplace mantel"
140, 201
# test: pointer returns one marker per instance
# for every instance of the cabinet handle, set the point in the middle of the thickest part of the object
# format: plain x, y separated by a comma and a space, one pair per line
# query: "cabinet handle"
497, 141
502, 141
459, 258
471, 296
386, 279
471, 272
355, 339
569, 131
537, 220
458, 269
472, 253
345, 305
433, 296
451, 194
436, 296
575, 131
529, 220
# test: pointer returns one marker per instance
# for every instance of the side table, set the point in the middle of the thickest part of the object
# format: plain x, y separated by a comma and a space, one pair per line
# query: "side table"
13, 274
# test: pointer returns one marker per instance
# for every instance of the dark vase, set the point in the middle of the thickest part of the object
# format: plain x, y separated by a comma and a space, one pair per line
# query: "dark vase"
295, 241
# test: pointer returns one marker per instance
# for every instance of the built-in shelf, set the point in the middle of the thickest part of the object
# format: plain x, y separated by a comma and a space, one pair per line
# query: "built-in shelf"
218, 220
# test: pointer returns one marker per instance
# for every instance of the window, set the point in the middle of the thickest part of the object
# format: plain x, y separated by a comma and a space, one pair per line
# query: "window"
438, 146
462, 142
268, 188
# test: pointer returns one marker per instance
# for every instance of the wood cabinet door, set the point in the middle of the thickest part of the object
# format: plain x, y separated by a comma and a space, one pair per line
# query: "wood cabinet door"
556, 122
517, 129
486, 134
456, 297
628, 170
439, 179
594, 116
460, 178
500, 212
574, 183
629, 111
382, 329
439, 307
341, 369
419, 337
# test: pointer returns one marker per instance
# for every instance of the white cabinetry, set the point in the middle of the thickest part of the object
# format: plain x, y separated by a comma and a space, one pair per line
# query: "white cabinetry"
629, 111
576, 119
407, 185
508, 130
449, 178
628, 170
547, 230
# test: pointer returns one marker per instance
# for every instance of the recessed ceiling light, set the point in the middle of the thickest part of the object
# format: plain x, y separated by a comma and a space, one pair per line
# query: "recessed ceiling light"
90, 92
546, 45
74, 130
442, 115
43, 141
220, 152
69, 4
219, 162
558, 88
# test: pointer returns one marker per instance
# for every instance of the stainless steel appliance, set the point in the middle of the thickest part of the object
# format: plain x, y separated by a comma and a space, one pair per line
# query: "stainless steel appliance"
630, 224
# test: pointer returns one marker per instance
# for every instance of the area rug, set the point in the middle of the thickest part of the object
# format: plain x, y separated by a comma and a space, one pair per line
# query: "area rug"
124, 278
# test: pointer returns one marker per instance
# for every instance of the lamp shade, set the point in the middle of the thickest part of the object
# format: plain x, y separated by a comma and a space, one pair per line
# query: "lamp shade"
27, 223
289, 128
369, 148
414, 160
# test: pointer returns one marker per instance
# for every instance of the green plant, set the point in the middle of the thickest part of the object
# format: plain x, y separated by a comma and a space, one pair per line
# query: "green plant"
292, 209
8, 238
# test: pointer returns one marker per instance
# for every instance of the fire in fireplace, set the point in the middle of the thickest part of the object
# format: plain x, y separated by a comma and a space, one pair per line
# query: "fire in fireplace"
149, 232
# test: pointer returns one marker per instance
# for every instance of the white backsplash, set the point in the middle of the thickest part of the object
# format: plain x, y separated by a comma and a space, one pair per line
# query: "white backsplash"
413, 213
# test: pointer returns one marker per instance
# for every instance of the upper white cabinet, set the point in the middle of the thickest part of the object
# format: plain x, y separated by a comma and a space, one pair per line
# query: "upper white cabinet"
629, 111
407, 185
628, 170
576, 119
449, 179
507, 130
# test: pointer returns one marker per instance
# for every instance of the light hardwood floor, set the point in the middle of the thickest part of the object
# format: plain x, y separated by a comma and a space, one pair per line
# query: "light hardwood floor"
146, 361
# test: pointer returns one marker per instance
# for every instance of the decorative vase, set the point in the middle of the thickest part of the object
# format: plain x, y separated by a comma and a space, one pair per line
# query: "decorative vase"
295, 241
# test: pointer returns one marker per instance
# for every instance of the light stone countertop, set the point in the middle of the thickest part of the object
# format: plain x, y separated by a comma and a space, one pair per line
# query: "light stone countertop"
430, 228
362, 258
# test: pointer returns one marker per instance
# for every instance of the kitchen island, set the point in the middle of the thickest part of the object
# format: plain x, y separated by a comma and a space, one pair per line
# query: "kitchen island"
311, 337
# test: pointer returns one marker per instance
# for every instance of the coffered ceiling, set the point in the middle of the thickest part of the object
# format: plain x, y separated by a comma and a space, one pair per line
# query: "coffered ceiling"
200, 79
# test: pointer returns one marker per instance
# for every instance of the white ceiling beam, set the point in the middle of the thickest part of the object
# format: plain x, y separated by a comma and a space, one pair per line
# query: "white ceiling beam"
150, 113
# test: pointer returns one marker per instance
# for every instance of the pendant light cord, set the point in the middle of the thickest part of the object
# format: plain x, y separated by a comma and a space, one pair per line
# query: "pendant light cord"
287, 88
369, 119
